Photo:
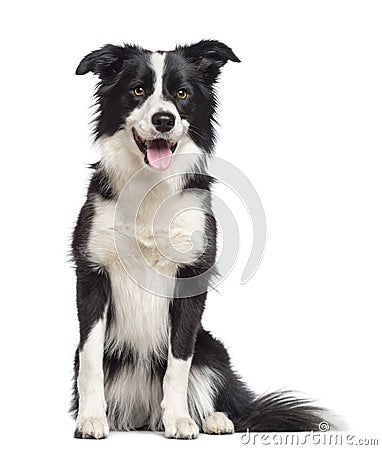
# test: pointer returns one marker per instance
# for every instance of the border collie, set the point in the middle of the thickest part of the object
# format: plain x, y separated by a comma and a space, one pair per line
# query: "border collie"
144, 360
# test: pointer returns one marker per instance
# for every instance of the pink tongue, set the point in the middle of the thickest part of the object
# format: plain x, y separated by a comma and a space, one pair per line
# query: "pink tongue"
158, 154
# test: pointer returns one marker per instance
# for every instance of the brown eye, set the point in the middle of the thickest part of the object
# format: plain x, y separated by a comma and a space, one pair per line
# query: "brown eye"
181, 94
139, 91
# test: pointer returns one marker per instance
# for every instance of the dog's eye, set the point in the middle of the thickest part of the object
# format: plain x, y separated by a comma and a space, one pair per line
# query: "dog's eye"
182, 94
139, 91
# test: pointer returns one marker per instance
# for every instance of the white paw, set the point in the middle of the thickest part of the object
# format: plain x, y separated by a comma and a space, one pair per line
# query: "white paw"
181, 428
92, 428
218, 423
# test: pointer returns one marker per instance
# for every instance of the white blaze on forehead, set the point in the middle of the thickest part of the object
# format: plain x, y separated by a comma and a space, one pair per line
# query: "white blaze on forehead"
157, 62
141, 117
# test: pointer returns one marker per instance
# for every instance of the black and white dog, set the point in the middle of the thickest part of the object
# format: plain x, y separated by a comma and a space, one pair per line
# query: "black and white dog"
144, 361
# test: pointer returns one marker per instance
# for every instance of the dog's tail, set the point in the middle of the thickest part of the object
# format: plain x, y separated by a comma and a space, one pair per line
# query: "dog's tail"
282, 411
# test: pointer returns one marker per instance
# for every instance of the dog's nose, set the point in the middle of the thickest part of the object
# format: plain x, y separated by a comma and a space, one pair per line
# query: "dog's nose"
163, 121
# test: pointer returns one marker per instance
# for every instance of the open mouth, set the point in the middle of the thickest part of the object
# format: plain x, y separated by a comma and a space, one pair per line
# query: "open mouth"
158, 152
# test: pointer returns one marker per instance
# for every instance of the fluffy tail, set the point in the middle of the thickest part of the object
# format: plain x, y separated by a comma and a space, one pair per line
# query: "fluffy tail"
281, 411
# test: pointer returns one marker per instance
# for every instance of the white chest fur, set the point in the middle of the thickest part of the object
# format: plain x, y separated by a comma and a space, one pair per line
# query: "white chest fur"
141, 244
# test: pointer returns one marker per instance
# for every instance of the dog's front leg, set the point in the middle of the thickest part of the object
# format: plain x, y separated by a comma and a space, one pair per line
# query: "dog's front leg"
92, 297
185, 316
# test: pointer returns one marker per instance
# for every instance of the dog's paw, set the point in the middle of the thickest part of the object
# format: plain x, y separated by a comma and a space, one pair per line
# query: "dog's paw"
218, 423
181, 428
92, 428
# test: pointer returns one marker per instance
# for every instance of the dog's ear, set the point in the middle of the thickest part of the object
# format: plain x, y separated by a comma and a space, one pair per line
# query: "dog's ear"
105, 62
209, 56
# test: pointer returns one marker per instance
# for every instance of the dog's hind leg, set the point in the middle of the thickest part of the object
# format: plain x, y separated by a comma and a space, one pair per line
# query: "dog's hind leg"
214, 387
203, 387
215, 393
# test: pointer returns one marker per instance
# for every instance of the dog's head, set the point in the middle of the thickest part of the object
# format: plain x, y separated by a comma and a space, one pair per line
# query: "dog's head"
161, 102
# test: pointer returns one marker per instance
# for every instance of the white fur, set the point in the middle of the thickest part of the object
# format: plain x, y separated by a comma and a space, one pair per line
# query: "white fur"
175, 385
136, 395
141, 253
181, 428
176, 418
91, 418
141, 319
218, 423
188, 397
203, 385
134, 398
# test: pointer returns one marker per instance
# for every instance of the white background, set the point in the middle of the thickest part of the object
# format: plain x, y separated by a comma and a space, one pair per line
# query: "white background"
301, 117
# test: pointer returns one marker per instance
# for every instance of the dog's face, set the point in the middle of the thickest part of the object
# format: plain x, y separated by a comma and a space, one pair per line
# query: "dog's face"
160, 101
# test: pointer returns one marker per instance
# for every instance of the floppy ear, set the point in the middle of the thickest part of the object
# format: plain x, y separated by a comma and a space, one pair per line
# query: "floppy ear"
210, 56
104, 62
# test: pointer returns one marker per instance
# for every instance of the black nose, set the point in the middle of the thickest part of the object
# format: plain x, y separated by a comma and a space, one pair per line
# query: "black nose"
163, 121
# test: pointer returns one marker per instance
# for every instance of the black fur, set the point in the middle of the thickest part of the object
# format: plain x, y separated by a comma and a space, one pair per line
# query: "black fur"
194, 68
119, 69
93, 293
100, 183
280, 411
